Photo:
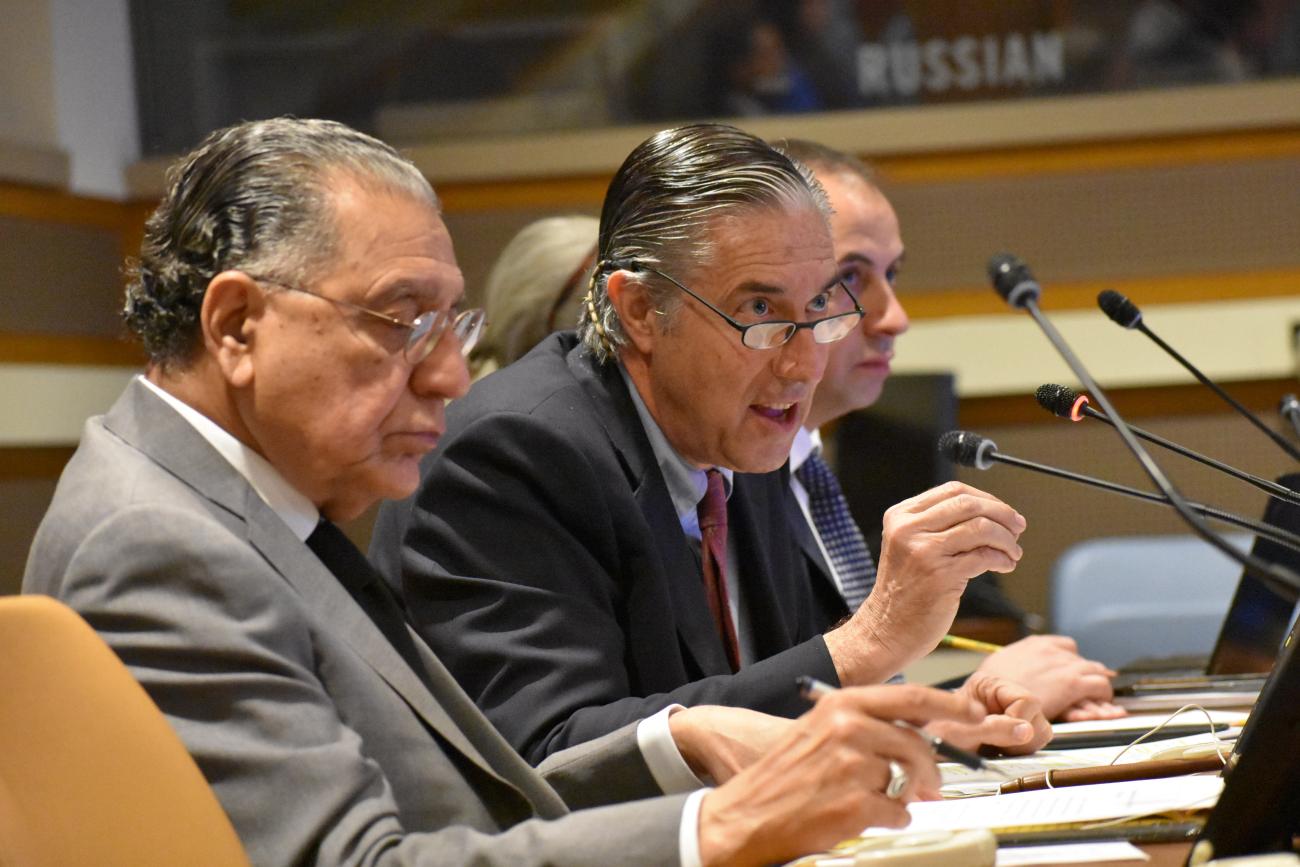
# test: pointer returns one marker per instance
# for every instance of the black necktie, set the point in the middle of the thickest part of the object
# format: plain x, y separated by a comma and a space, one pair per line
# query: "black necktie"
368, 588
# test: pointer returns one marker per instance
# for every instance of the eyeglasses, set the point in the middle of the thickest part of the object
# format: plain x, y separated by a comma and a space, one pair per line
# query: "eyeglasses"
770, 335
424, 331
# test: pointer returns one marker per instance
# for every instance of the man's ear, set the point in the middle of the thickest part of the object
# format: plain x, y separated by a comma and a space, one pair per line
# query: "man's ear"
232, 308
636, 313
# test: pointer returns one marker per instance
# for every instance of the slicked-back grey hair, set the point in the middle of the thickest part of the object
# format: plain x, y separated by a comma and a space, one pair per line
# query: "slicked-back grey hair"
257, 196
663, 202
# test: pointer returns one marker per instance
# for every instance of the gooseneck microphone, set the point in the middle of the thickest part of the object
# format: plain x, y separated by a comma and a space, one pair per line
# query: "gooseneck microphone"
1289, 409
1126, 314
972, 450
1067, 403
1012, 280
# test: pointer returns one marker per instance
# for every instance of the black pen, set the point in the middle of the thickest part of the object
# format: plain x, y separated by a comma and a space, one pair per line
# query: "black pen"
813, 689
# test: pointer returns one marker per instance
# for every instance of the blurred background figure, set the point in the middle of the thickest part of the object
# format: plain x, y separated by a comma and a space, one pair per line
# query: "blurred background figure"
823, 37
759, 76
535, 287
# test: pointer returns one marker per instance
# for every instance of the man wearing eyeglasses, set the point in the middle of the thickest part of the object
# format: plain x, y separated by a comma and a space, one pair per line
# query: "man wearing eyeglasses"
298, 296
602, 532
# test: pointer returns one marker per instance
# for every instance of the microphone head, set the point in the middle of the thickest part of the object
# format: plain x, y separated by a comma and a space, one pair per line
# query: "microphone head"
1289, 406
968, 449
1122, 311
1061, 401
1013, 280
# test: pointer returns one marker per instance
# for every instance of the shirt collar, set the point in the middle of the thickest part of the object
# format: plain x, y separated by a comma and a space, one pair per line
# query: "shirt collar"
298, 512
806, 443
686, 484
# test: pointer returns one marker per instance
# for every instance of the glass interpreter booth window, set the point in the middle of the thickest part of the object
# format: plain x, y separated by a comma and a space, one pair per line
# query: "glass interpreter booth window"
416, 70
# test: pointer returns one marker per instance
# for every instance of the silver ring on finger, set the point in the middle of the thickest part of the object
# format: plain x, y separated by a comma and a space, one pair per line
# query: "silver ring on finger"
897, 781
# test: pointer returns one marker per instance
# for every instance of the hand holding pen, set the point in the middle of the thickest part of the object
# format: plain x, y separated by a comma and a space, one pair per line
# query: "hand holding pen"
814, 689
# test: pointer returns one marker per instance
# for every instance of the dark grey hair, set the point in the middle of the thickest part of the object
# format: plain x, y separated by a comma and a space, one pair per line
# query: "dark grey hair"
822, 159
663, 203
257, 196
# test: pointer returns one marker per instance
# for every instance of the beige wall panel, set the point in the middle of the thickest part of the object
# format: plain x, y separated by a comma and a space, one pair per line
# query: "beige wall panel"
1008, 353
480, 235
47, 405
27, 113
1104, 225
1060, 513
60, 279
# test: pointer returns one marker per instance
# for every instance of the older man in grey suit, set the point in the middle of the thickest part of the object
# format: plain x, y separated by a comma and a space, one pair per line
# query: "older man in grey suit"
297, 293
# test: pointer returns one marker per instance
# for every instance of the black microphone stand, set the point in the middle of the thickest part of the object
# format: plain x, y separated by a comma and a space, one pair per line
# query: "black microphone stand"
1024, 294
1137, 323
1271, 488
1273, 534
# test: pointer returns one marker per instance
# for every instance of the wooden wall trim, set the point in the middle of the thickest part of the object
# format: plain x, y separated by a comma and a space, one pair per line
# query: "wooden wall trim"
587, 191
69, 349
25, 463
1261, 396
56, 206
1133, 153
1177, 289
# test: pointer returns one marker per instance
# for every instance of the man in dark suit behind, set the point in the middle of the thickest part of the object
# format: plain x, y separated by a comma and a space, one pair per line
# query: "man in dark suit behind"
563, 554
298, 296
869, 252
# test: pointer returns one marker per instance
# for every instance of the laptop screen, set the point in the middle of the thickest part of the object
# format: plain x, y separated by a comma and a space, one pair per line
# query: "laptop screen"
1259, 617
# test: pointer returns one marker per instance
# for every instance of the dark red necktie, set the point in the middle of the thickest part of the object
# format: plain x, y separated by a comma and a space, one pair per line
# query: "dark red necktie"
712, 513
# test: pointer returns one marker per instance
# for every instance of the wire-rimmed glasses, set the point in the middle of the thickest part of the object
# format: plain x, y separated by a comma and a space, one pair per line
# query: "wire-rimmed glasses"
770, 335
424, 331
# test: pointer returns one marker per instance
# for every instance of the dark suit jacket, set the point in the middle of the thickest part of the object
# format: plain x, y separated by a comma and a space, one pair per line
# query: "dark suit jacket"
321, 743
823, 586
544, 562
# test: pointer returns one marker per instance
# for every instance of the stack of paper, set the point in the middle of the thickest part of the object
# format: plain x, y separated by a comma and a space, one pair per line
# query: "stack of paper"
1071, 807
960, 781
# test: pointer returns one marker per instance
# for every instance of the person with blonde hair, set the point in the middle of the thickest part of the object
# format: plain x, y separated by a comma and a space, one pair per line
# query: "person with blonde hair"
535, 287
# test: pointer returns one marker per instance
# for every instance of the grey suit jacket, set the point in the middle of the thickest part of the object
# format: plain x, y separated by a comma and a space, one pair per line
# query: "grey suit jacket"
321, 743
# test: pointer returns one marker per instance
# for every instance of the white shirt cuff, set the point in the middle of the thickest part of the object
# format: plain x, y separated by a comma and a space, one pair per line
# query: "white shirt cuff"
655, 740
688, 838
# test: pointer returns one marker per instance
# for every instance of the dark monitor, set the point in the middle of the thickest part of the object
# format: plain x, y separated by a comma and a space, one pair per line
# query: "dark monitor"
888, 453
1259, 808
1259, 616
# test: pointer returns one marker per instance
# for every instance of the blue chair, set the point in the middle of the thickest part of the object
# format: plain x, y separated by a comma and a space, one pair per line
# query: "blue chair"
1130, 597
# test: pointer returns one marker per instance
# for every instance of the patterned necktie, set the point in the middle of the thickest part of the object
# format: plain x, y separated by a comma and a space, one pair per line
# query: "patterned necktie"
844, 542
712, 512
368, 589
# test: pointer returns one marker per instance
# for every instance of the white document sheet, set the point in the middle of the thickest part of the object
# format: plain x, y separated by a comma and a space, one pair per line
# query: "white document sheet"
1142, 722
1069, 806
1070, 853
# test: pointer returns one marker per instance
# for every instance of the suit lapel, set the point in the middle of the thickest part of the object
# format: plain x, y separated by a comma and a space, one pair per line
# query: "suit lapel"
147, 423
682, 571
803, 535
772, 620
819, 572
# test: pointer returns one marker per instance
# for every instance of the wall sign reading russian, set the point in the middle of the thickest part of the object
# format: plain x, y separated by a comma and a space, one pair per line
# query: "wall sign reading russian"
1009, 60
